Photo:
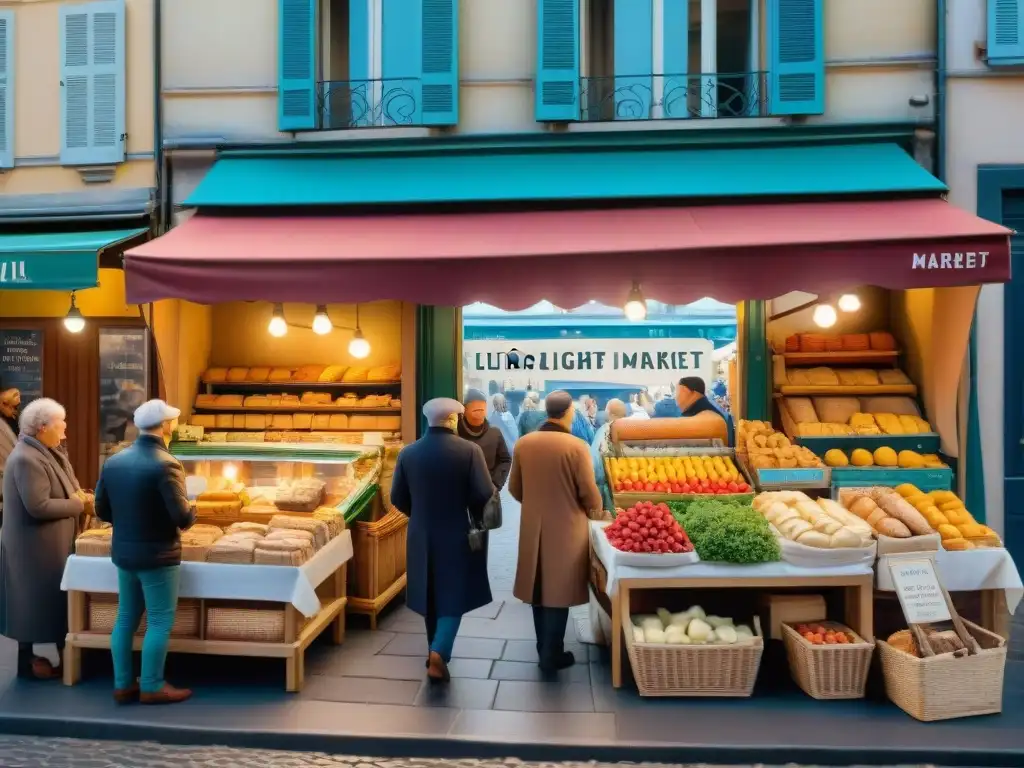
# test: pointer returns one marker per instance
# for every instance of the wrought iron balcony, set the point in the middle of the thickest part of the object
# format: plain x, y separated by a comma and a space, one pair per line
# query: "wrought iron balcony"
387, 103
673, 97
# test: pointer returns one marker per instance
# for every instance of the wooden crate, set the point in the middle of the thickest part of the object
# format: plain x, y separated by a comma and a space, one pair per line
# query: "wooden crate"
377, 574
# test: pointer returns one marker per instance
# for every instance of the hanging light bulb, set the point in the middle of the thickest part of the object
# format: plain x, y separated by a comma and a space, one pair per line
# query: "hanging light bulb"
825, 316
322, 324
278, 325
635, 307
359, 347
849, 302
73, 320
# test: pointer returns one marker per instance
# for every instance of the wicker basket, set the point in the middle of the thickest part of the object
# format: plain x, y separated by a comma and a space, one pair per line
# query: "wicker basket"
103, 614
694, 670
379, 555
828, 671
251, 622
944, 687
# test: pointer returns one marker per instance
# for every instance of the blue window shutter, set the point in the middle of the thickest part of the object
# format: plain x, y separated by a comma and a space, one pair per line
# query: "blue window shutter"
296, 65
93, 83
634, 59
6, 89
440, 62
1005, 32
558, 60
796, 57
676, 59
359, 87
398, 95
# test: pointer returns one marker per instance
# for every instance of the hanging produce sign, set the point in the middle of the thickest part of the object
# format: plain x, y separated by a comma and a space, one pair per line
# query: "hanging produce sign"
625, 362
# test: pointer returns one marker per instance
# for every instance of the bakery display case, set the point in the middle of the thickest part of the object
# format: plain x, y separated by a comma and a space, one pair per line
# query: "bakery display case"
253, 482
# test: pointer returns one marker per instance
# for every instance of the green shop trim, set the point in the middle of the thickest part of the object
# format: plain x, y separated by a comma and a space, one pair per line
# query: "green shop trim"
56, 261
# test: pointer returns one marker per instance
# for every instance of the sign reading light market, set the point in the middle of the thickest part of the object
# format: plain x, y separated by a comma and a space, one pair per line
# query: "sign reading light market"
644, 362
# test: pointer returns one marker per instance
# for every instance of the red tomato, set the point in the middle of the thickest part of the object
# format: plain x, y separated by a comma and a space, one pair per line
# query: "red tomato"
743, 487
733, 488
627, 485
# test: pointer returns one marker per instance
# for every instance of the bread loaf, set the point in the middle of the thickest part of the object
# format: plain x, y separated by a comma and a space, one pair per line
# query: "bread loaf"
895, 506
333, 373
205, 420
280, 374
237, 375
309, 373
224, 420
216, 375
259, 374
230, 401
205, 400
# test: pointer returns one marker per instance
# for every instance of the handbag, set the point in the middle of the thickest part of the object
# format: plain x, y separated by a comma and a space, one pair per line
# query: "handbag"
490, 519
477, 534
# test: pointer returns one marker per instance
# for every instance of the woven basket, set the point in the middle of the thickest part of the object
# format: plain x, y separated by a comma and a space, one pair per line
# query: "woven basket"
379, 555
828, 671
694, 670
945, 687
263, 624
103, 614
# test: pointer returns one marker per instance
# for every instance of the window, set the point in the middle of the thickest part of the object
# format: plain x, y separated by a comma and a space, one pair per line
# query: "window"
366, 63
671, 75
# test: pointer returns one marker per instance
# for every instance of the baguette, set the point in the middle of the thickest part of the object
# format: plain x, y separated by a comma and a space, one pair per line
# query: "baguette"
863, 507
898, 508
848, 519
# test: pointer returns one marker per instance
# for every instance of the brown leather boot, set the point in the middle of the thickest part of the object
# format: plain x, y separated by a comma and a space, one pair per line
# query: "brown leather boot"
437, 670
166, 695
127, 695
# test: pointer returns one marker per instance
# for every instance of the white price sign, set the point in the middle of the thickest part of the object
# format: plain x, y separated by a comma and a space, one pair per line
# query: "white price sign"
919, 591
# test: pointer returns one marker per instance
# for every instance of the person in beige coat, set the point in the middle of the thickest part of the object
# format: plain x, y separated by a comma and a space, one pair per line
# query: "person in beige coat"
553, 477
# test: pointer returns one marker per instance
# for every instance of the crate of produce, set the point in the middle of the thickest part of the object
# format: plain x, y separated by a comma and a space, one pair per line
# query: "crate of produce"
102, 613
710, 669
945, 686
714, 472
828, 660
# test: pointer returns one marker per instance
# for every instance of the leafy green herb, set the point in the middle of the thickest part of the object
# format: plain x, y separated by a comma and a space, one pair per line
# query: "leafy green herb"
725, 532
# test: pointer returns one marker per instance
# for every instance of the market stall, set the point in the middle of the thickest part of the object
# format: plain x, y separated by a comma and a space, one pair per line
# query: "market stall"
265, 568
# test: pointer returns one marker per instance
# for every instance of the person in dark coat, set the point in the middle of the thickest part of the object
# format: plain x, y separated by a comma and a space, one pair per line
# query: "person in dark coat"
43, 512
475, 427
141, 492
10, 401
439, 481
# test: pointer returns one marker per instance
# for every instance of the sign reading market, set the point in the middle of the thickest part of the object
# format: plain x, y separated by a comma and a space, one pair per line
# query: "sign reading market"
642, 363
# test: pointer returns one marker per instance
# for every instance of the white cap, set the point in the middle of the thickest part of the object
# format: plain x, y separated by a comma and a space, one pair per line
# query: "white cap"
153, 413
440, 408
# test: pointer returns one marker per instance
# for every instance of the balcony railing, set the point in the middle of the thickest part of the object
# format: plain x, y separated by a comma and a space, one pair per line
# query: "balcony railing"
673, 97
389, 103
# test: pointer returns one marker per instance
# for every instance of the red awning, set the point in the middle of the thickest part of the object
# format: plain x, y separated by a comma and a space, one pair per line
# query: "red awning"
514, 260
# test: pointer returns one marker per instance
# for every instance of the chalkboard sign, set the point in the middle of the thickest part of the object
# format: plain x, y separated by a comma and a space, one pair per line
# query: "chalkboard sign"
21, 362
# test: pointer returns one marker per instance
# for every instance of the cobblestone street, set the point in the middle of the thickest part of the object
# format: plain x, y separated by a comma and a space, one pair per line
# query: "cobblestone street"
20, 752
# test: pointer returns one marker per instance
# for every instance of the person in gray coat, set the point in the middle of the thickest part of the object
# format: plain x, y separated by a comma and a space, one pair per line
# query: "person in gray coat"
43, 509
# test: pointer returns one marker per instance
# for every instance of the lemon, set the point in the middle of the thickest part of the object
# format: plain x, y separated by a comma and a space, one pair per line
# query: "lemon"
836, 458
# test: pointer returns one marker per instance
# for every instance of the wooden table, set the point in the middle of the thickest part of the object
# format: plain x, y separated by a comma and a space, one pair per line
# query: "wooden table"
859, 599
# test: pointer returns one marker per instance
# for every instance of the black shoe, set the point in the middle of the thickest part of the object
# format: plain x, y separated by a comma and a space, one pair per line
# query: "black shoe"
560, 662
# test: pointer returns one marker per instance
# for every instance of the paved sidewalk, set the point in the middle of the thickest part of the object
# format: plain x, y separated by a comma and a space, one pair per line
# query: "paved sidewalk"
18, 752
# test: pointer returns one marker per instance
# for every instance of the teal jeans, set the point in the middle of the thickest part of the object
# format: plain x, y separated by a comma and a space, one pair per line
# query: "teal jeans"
155, 592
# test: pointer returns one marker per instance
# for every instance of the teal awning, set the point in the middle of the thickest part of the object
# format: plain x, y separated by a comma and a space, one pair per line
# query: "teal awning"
56, 261
743, 172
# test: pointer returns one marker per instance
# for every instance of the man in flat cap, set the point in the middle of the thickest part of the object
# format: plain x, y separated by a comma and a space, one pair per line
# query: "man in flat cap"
552, 476
439, 481
475, 427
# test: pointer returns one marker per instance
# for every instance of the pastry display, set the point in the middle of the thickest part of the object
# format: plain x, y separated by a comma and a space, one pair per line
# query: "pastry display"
823, 524
946, 513
816, 343
761, 447
886, 511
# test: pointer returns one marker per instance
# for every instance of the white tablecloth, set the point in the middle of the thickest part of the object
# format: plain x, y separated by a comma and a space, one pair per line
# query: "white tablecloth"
704, 570
222, 581
970, 571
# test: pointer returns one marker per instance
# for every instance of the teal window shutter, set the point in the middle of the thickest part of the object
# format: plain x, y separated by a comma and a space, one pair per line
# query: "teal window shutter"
359, 88
296, 65
440, 54
6, 89
558, 60
796, 57
93, 83
634, 59
676, 56
397, 97
1005, 33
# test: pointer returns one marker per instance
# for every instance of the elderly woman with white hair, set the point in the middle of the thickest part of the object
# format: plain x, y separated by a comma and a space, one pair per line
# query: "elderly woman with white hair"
43, 511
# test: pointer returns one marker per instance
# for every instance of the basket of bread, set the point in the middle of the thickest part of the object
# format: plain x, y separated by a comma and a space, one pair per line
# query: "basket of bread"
816, 533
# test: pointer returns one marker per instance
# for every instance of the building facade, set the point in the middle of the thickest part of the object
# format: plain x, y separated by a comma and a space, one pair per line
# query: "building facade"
77, 181
983, 84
